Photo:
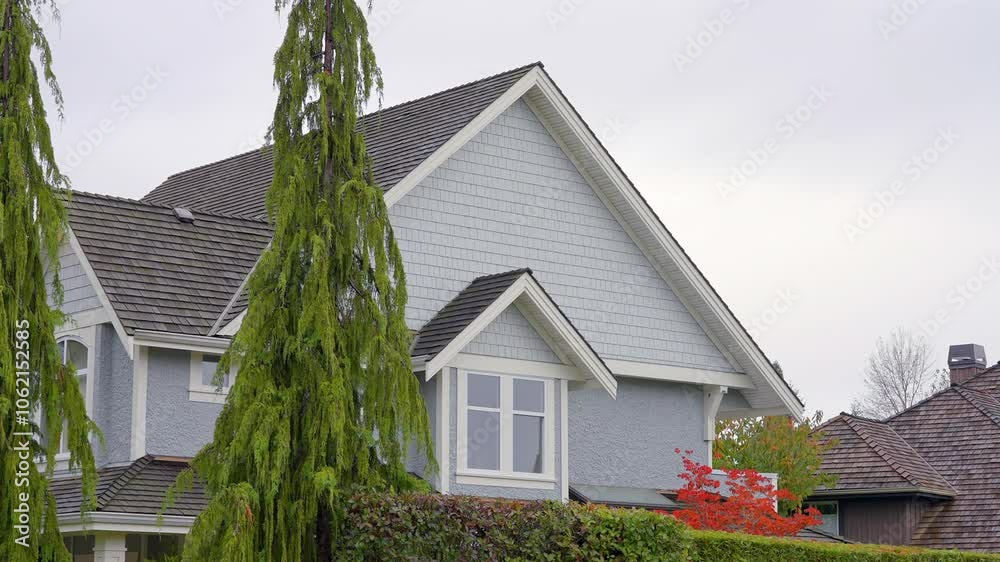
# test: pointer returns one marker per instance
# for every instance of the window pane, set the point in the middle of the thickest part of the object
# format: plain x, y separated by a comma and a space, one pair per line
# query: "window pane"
76, 353
484, 391
529, 396
484, 440
209, 364
528, 444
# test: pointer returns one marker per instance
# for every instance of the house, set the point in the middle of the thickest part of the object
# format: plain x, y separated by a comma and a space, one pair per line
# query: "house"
565, 343
928, 476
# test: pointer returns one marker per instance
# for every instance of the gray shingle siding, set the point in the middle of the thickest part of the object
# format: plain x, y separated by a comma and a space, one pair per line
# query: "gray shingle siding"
78, 293
511, 198
511, 336
630, 441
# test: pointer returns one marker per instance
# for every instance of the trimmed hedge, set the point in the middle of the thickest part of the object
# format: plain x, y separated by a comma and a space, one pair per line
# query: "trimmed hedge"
452, 528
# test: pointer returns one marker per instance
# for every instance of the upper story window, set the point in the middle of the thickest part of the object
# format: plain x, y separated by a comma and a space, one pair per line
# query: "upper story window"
202, 387
73, 351
506, 426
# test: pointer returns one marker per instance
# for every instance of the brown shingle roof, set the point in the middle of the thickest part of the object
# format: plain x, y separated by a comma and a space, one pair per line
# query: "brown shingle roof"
140, 487
159, 273
398, 139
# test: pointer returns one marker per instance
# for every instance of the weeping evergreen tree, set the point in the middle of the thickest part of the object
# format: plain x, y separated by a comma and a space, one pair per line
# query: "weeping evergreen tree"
32, 224
325, 402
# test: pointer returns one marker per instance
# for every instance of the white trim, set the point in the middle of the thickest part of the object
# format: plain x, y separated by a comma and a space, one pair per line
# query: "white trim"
167, 340
526, 288
102, 297
200, 392
506, 481
99, 521
506, 414
444, 431
564, 438
140, 380
505, 366
750, 413
459, 140
234, 326
713, 399
86, 318
672, 373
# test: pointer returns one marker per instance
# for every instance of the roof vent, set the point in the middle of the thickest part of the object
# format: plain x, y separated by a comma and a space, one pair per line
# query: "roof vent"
183, 215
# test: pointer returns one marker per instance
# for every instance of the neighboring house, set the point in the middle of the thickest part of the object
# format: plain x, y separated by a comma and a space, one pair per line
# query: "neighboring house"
928, 476
565, 343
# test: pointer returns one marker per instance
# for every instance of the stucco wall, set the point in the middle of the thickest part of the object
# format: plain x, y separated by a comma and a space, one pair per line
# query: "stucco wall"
112, 397
630, 441
511, 198
174, 424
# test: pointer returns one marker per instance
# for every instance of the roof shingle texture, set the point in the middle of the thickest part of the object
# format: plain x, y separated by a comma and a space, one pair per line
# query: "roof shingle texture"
159, 273
462, 310
138, 488
398, 139
951, 439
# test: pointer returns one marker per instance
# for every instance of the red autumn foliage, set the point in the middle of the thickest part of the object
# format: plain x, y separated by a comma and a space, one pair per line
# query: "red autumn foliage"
748, 506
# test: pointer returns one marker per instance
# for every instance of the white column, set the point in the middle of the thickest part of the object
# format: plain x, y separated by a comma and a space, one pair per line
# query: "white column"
109, 547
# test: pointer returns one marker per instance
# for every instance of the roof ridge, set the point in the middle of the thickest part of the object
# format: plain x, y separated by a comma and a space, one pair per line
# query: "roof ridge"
964, 393
372, 114
122, 480
141, 202
879, 450
914, 406
518, 271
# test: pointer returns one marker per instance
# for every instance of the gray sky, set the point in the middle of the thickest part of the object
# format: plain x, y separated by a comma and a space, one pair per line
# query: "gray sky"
828, 107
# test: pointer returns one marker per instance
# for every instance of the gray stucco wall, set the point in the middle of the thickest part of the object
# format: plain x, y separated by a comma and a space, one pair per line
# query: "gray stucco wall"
511, 198
415, 462
500, 491
174, 424
112, 397
511, 336
630, 441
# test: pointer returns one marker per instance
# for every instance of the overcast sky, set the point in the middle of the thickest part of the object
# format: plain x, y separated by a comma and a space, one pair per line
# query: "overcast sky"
827, 107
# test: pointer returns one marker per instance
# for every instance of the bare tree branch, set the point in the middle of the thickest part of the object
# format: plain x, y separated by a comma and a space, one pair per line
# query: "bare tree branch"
898, 375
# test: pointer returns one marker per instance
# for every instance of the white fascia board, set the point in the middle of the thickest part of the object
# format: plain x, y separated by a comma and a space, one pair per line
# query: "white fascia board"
167, 340
672, 373
649, 219
99, 521
102, 297
751, 413
460, 139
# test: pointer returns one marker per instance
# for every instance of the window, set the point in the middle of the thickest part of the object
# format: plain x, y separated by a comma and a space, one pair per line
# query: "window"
74, 352
830, 514
202, 386
506, 426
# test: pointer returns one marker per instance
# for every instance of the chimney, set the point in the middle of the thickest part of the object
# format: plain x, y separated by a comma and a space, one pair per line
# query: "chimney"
965, 361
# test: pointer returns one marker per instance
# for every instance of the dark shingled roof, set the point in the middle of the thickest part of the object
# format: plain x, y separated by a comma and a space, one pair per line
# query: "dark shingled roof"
159, 273
952, 439
462, 310
398, 138
140, 487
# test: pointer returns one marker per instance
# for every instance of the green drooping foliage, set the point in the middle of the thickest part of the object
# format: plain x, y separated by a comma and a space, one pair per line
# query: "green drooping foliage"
32, 226
780, 445
325, 400
457, 528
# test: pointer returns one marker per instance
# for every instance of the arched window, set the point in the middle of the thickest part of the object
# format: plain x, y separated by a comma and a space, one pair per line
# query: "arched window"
74, 352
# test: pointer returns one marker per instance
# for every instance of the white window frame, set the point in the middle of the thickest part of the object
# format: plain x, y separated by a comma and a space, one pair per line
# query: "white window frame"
199, 392
85, 337
506, 476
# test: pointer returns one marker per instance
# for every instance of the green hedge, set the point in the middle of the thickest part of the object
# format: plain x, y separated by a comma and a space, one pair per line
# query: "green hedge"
452, 528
